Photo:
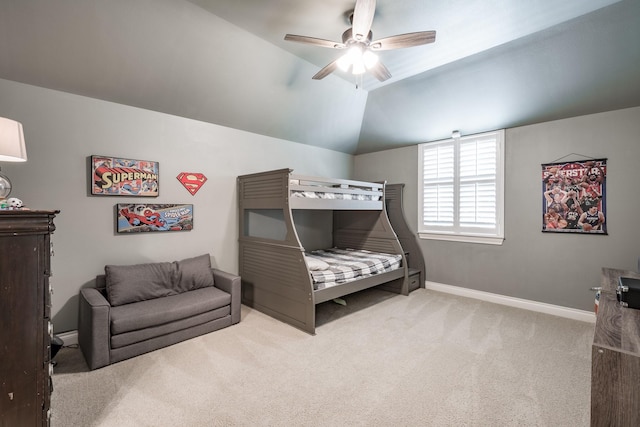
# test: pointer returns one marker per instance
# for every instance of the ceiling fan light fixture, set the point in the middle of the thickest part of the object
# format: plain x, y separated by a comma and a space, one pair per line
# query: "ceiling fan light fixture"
361, 50
358, 67
355, 53
357, 62
353, 58
370, 59
344, 63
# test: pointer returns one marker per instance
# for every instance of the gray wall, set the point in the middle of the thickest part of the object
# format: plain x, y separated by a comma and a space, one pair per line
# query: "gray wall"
61, 130
551, 268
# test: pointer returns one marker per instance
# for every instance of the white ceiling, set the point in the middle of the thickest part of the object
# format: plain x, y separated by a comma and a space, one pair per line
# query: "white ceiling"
495, 63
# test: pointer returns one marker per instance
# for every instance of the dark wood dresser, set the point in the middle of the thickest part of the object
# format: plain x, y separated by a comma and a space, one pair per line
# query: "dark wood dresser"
615, 358
25, 309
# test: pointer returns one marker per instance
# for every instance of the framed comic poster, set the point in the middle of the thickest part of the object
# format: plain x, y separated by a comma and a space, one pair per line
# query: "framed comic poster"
116, 176
574, 197
139, 217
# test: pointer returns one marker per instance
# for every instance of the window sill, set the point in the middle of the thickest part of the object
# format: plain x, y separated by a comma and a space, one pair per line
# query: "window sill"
465, 238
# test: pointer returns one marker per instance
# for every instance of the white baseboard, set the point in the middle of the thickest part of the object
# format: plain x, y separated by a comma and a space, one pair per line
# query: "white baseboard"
541, 307
69, 338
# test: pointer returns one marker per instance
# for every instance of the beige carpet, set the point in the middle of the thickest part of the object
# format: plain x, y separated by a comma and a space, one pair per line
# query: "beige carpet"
429, 359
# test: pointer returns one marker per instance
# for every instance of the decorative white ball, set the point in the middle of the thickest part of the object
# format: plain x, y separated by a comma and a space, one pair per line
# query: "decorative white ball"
14, 202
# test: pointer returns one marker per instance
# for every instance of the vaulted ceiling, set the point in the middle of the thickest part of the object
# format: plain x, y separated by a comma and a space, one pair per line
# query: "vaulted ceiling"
495, 64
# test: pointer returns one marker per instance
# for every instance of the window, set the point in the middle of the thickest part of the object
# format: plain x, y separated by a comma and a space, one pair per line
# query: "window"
462, 189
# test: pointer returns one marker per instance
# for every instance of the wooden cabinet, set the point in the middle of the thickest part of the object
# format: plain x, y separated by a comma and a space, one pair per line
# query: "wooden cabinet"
615, 358
25, 310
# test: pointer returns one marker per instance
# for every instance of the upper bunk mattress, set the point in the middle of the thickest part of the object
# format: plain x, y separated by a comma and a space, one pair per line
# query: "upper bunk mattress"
334, 196
330, 267
334, 189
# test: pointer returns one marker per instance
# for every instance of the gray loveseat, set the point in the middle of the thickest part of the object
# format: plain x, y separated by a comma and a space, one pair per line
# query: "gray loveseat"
135, 309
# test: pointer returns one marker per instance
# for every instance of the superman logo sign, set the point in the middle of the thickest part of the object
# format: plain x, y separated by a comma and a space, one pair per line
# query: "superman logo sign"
192, 181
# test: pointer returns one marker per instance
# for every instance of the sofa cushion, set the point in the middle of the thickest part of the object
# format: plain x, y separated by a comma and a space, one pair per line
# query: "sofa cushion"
193, 273
128, 338
133, 283
153, 312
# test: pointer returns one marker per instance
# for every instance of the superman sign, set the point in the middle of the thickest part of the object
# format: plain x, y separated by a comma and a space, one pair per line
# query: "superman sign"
192, 181
116, 176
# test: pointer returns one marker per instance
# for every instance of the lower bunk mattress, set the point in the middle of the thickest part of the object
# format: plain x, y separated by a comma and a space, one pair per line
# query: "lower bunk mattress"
331, 267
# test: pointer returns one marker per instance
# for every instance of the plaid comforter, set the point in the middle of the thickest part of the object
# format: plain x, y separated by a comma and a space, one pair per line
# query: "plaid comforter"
345, 265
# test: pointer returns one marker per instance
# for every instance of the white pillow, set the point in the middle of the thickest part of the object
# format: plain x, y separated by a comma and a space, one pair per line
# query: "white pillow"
316, 264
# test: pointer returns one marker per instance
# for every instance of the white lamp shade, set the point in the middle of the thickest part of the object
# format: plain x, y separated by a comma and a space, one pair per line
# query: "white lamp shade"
12, 148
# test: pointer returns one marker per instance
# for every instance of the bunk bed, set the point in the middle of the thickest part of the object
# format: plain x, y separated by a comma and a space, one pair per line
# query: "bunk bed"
288, 222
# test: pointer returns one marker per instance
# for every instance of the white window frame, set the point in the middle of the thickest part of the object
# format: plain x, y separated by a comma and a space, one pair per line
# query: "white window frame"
454, 232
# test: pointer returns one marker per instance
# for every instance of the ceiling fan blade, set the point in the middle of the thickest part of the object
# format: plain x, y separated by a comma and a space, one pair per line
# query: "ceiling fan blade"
314, 41
326, 71
363, 18
404, 40
380, 72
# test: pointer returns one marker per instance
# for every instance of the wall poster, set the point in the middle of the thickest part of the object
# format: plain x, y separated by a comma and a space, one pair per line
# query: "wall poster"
574, 197
138, 217
115, 176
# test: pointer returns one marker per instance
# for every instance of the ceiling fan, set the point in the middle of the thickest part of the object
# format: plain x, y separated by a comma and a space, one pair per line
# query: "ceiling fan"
360, 47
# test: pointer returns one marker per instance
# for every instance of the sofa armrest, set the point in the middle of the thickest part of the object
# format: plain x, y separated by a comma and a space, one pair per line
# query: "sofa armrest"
230, 283
93, 328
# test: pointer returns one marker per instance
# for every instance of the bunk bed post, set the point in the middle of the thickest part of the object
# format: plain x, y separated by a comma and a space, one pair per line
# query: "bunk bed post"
275, 279
404, 284
395, 210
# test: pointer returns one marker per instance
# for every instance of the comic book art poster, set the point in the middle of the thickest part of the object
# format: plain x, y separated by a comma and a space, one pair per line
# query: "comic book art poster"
138, 217
574, 197
115, 176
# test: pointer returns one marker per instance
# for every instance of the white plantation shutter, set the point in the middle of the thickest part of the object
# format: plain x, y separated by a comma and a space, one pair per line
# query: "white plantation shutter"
462, 186
477, 183
438, 171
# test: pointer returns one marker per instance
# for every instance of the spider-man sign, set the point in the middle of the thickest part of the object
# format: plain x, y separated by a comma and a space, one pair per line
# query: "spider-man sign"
132, 218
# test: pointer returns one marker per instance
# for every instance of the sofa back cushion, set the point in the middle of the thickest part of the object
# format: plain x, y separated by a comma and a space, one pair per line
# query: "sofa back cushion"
132, 283
193, 273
